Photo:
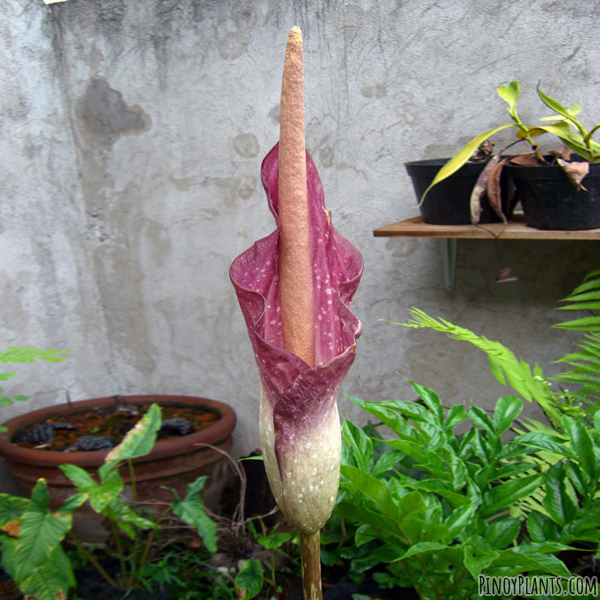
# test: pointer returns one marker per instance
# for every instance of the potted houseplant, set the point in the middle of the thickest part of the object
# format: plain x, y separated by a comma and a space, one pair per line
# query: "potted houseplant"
563, 193
453, 192
32, 533
173, 462
570, 204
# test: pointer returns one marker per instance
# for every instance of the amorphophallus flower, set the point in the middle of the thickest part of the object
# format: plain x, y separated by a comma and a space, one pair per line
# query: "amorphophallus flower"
295, 289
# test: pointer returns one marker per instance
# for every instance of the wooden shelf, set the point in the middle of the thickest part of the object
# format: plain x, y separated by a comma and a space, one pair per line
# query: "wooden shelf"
516, 229
448, 235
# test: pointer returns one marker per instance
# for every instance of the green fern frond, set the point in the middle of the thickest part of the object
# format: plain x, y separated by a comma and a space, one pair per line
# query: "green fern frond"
27, 354
503, 363
584, 324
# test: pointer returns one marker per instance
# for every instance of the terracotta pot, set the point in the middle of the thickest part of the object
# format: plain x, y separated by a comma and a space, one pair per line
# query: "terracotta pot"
173, 463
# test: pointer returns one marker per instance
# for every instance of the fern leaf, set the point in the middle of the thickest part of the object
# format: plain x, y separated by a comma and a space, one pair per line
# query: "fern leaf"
27, 354
583, 324
504, 365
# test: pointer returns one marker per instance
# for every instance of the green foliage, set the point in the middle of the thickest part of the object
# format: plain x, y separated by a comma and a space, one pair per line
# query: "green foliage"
579, 141
249, 580
510, 94
434, 509
31, 533
528, 382
27, 354
587, 359
33, 557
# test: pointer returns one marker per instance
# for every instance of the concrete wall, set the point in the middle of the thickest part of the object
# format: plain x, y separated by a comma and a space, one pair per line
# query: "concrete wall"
132, 137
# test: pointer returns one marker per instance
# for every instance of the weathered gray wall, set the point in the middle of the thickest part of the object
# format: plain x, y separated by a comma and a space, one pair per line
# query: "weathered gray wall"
132, 137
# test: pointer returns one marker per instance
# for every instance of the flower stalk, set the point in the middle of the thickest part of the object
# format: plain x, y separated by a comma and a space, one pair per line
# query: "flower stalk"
295, 289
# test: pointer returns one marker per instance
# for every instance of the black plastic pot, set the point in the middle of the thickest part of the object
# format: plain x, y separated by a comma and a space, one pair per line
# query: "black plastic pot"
550, 201
448, 202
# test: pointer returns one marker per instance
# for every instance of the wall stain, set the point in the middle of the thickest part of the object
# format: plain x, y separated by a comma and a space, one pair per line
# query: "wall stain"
246, 144
379, 90
275, 113
233, 44
326, 156
102, 113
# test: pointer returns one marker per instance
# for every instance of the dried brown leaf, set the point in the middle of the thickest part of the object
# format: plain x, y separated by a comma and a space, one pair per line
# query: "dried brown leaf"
494, 190
575, 172
525, 160
564, 153
480, 188
12, 528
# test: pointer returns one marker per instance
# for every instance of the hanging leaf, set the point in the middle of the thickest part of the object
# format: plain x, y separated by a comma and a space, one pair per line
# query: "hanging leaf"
139, 440
480, 189
575, 172
494, 191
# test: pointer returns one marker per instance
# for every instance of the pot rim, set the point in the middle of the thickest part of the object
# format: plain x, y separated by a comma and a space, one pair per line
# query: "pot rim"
213, 434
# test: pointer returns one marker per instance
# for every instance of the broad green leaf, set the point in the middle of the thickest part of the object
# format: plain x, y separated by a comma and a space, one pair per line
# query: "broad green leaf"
139, 440
557, 502
510, 94
386, 461
459, 519
508, 408
274, 540
12, 508
421, 548
395, 422
544, 441
372, 488
192, 511
431, 400
386, 526
568, 113
502, 533
508, 493
100, 495
456, 415
462, 156
249, 580
481, 418
361, 444
582, 446
475, 562
511, 470
54, 575
41, 532
541, 528
426, 458
512, 562
120, 513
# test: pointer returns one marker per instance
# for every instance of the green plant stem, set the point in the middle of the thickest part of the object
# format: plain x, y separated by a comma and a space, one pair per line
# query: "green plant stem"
93, 561
115, 533
310, 553
150, 539
132, 481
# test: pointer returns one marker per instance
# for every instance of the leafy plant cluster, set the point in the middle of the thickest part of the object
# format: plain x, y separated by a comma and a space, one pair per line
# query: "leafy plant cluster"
40, 551
564, 124
433, 509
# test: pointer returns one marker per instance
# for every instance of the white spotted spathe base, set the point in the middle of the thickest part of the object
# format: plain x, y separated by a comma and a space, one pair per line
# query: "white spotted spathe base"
305, 483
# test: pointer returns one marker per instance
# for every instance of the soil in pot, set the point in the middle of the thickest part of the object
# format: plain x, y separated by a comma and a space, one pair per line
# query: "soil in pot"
550, 201
448, 202
173, 462
105, 428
